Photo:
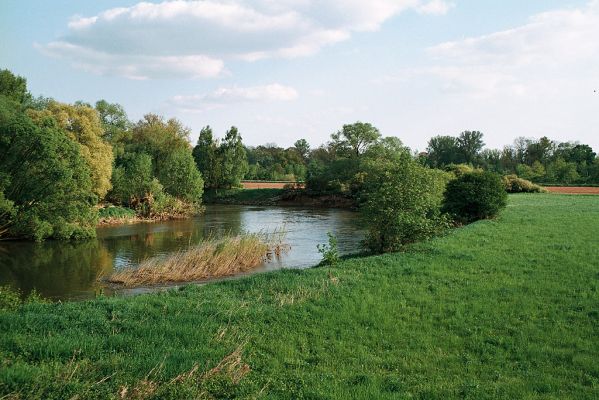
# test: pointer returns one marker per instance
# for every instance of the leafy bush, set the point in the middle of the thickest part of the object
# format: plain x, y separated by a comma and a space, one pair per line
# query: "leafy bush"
330, 251
514, 184
401, 203
474, 196
116, 213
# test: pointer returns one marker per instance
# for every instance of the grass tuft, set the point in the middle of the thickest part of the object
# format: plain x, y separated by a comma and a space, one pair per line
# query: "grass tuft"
210, 259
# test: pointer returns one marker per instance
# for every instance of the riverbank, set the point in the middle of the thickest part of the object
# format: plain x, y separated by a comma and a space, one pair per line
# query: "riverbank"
277, 197
497, 309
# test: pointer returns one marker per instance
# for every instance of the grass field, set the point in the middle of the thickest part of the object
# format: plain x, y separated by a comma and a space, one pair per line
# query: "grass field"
499, 309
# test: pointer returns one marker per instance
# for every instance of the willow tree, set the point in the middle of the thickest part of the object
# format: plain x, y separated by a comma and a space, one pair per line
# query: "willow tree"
82, 125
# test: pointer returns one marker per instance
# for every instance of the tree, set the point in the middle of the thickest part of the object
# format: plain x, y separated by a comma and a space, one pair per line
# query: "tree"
540, 150
132, 180
443, 150
14, 87
206, 158
181, 178
155, 136
115, 125
44, 177
303, 148
354, 139
82, 125
470, 144
233, 159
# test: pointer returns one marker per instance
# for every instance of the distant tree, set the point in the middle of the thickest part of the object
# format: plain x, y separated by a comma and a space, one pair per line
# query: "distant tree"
233, 159
470, 144
539, 150
303, 148
443, 150
354, 139
205, 154
84, 127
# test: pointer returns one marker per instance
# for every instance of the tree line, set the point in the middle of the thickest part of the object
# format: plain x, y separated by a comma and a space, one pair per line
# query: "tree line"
539, 160
60, 163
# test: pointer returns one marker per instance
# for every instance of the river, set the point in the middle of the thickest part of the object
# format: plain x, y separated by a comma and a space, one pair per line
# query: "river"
70, 271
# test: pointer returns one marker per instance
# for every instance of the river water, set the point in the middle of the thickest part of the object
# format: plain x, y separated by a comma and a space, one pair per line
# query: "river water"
69, 271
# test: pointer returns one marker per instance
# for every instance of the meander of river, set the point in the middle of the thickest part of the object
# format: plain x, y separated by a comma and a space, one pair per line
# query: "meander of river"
71, 271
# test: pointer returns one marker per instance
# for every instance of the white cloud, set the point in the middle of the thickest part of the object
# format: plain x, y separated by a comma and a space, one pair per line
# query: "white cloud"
136, 67
150, 40
553, 49
232, 95
435, 7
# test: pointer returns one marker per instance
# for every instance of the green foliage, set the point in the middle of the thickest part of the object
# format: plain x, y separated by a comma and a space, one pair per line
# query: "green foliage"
14, 87
496, 310
269, 162
180, 176
45, 179
10, 299
474, 196
330, 251
82, 125
354, 139
114, 212
514, 184
401, 203
233, 160
205, 154
132, 180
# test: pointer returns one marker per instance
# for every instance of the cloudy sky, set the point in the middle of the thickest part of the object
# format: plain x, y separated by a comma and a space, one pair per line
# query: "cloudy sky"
286, 69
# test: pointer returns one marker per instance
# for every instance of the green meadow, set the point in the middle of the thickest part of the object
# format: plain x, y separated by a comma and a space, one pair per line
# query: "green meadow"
506, 309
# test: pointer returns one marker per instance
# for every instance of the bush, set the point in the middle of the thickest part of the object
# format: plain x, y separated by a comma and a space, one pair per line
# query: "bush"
330, 252
401, 203
116, 213
474, 196
513, 184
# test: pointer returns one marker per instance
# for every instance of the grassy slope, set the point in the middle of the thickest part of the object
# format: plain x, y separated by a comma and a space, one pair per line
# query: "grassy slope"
499, 309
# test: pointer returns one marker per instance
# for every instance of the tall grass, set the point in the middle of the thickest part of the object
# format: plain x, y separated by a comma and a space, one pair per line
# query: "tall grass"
212, 258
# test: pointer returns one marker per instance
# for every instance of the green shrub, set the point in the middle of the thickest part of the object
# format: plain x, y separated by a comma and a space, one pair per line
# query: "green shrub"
116, 213
474, 196
514, 184
401, 203
330, 251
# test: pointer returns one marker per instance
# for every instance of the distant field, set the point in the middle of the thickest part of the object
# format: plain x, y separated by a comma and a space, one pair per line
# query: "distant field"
573, 189
504, 309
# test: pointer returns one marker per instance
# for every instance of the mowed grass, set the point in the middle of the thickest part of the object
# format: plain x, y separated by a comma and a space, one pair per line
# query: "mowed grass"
498, 309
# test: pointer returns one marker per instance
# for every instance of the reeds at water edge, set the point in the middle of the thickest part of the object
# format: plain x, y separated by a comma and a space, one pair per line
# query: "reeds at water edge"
212, 258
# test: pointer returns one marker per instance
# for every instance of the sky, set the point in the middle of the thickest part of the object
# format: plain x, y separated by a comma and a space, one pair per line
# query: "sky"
281, 70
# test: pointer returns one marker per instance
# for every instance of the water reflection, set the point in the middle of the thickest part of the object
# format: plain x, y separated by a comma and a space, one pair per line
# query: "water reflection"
70, 270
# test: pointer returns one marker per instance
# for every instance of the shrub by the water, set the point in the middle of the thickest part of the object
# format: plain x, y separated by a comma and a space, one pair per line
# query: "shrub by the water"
514, 184
401, 203
474, 196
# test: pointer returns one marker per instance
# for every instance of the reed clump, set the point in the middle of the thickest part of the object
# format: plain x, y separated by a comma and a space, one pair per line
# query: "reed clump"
212, 258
